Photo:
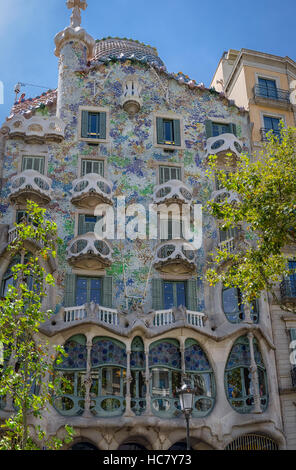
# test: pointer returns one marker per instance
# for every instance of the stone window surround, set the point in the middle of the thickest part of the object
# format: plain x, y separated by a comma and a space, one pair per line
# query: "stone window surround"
267, 77
33, 153
95, 109
165, 163
168, 115
94, 158
273, 115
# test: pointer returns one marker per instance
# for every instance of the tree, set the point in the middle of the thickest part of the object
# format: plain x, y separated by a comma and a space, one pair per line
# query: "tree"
27, 379
265, 209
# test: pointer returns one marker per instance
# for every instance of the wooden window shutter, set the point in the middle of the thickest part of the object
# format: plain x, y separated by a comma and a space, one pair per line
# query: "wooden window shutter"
157, 294
159, 130
107, 292
191, 295
81, 224
69, 293
232, 128
102, 126
84, 124
177, 132
209, 128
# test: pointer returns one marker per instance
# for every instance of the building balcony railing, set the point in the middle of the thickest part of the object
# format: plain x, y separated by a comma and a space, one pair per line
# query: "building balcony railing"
288, 291
87, 252
30, 184
175, 257
264, 132
173, 191
222, 195
107, 316
222, 145
228, 245
274, 94
166, 317
90, 190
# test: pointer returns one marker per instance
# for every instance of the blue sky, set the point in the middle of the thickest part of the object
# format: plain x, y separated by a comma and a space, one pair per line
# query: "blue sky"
190, 35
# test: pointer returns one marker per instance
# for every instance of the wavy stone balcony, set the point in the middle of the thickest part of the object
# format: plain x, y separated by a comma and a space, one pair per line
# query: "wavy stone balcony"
30, 184
36, 129
224, 144
87, 252
223, 195
90, 190
173, 191
175, 257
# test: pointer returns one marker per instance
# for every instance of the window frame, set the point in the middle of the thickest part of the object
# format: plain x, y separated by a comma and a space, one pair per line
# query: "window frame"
93, 109
34, 154
170, 117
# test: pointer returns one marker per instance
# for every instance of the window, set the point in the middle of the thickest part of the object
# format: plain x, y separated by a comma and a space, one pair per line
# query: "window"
238, 377
168, 131
267, 88
233, 306
88, 289
214, 129
167, 173
138, 386
32, 162
86, 223
228, 234
8, 279
174, 294
271, 123
93, 125
170, 228
92, 166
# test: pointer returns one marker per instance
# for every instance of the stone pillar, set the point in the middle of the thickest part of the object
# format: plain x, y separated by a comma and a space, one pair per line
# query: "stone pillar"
182, 340
147, 381
254, 376
128, 411
247, 310
88, 380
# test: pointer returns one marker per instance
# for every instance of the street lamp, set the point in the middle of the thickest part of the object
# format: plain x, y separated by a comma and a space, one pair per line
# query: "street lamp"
186, 395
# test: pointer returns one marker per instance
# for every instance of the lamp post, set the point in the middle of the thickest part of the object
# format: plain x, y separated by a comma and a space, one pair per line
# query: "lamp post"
186, 395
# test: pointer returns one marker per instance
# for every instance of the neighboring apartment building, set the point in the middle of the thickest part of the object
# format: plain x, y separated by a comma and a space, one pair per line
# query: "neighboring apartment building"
262, 84
120, 125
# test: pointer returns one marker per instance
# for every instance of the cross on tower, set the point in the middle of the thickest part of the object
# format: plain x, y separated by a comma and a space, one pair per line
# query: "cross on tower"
77, 5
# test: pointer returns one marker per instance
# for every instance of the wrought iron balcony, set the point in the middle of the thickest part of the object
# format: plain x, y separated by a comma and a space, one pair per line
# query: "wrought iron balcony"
222, 145
274, 94
175, 257
288, 291
173, 191
264, 132
90, 190
87, 252
222, 195
30, 184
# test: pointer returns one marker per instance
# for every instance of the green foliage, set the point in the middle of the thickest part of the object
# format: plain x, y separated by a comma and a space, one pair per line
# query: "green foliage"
266, 213
27, 378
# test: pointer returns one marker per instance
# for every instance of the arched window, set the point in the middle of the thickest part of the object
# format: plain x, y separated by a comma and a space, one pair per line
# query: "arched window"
108, 390
73, 368
233, 306
165, 366
252, 442
138, 386
200, 373
238, 379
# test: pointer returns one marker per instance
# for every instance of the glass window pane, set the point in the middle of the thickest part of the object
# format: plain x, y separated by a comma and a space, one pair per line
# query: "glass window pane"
160, 382
81, 290
168, 295
181, 298
95, 291
168, 130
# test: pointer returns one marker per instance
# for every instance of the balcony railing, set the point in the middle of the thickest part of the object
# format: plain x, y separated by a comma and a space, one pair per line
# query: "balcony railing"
264, 132
85, 251
176, 256
172, 191
288, 291
30, 184
166, 317
106, 315
222, 145
90, 190
276, 94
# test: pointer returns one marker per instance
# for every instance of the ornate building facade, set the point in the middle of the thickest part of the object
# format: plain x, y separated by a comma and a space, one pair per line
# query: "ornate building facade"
134, 314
